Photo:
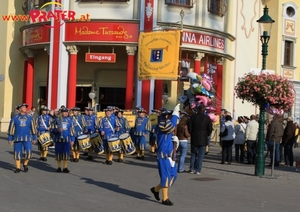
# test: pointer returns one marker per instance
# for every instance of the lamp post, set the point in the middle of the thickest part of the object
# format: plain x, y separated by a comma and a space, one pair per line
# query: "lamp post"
182, 14
265, 26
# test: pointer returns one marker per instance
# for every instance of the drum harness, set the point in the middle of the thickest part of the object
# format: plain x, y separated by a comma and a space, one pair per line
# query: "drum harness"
78, 124
44, 122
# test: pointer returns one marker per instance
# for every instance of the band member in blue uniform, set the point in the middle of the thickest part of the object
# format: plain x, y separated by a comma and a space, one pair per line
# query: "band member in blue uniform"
79, 128
141, 130
43, 124
63, 138
153, 133
166, 154
124, 128
109, 128
21, 133
91, 127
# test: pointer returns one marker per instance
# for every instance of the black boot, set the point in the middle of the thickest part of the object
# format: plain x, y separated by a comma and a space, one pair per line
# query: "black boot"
167, 202
25, 168
156, 194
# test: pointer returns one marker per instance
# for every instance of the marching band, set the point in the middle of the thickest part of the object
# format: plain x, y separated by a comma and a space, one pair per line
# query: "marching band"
70, 132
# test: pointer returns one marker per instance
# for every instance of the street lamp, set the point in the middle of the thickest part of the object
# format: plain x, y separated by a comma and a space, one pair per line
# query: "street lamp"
265, 26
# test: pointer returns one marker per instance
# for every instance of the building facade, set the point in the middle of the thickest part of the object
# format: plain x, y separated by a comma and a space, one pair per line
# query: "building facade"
93, 60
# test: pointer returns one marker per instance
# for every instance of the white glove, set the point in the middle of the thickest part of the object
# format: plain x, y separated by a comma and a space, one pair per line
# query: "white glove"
176, 110
175, 140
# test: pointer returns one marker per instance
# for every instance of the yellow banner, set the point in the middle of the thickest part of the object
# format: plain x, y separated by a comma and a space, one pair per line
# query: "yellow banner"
158, 56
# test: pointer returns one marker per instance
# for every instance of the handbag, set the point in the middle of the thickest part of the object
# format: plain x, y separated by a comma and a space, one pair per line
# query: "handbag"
224, 133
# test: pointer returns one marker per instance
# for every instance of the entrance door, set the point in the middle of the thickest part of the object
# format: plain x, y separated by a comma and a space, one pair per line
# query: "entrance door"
82, 97
112, 97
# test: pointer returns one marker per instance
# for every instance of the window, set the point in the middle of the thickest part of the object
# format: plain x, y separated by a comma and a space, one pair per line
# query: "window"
288, 53
182, 3
217, 7
112, 97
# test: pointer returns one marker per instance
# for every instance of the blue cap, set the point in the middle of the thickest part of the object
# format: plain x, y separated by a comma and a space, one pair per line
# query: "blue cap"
21, 105
44, 108
76, 109
64, 109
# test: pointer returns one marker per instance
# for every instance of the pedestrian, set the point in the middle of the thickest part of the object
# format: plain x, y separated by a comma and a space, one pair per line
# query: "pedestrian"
288, 141
227, 140
166, 154
21, 134
296, 135
239, 140
200, 127
274, 137
251, 137
183, 136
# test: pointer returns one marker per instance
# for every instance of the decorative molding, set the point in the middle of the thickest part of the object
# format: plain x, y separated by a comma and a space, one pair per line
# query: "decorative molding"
220, 61
247, 33
199, 56
29, 52
149, 10
131, 50
72, 49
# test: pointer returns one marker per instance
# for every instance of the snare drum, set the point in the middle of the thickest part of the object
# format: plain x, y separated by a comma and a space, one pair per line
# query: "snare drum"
84, 141
45, 139
127, 143
114, 144
96, 142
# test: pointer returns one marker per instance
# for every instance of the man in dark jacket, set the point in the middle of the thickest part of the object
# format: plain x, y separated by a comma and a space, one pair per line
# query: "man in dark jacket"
274, 136
288, 141
200, 127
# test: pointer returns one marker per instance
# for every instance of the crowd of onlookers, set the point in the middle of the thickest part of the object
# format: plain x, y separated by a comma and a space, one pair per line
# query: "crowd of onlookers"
243, 134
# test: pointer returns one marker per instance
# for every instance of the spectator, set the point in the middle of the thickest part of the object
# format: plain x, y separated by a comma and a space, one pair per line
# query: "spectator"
288, 141
251, 137
200, 127
239, 140
227, 141
183, 135
296, 135
274, 136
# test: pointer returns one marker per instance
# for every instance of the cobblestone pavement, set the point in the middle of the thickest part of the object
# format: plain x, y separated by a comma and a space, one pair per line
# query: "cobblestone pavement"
92, 186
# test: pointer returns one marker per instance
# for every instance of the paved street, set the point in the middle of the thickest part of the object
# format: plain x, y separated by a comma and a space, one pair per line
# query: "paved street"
93, 186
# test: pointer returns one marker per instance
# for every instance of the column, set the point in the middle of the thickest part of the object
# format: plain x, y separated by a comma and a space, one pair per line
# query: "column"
197, 63
158, 92
29, 77
25, 77
47, 49
72, 76
219, 84
129, 77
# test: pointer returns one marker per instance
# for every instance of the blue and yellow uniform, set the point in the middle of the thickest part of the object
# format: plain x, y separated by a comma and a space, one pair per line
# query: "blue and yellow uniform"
63, 137
141, 130
79, 128
22, 131
109, 126
43, 124
165, 154
154, 130
91, 122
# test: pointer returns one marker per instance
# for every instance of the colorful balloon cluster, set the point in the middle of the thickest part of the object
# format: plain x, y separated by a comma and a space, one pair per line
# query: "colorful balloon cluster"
199, 93
273, 111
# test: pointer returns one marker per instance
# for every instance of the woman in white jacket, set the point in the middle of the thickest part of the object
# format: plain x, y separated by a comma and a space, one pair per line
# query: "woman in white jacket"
239, 140
227, 141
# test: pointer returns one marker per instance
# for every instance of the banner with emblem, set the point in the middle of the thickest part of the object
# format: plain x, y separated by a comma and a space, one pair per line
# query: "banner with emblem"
158, 56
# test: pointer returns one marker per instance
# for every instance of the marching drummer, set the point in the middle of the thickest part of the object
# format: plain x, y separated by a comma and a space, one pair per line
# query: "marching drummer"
124, 128
64, 138
141, 130
109, 126
91, 121
43, 123
79, 128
